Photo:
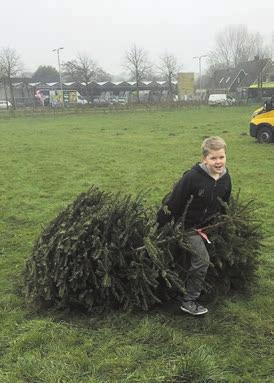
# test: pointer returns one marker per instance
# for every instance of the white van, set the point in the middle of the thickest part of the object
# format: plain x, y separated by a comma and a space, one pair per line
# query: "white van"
221, 99
5, 104
81, 100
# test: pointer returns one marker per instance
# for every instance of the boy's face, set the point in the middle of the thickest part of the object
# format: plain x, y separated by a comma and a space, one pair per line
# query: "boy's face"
215, 162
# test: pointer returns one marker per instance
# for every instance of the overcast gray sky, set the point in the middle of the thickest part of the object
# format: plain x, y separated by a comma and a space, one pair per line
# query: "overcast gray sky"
105, 29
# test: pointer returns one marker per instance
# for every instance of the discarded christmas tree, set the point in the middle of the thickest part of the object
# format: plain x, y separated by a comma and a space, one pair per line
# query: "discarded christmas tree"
106, 250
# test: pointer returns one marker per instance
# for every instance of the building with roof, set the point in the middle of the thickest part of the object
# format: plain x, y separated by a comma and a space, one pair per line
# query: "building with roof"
25, 90
247, 75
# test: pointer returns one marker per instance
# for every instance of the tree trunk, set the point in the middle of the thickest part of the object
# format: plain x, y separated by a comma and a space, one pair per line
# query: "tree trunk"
11, 93
6, 94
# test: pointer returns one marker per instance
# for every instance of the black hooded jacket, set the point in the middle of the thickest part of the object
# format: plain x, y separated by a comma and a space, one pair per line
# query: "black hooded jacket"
202, 192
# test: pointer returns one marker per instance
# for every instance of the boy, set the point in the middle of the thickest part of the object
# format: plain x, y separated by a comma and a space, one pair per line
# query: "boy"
199, 190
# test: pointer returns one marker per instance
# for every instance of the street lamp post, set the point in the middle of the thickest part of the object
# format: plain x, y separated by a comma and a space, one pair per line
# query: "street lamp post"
57, 50
200, 70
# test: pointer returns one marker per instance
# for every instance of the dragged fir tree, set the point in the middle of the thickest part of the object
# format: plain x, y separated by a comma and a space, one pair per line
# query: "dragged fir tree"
106, 250
236, 244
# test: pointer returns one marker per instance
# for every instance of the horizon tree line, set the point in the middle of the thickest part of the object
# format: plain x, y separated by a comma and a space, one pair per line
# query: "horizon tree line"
233, 45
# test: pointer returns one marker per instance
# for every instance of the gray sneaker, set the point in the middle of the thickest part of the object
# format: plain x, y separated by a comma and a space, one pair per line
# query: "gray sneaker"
193, 308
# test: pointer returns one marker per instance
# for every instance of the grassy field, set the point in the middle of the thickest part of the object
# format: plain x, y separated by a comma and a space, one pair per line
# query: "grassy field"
45, 162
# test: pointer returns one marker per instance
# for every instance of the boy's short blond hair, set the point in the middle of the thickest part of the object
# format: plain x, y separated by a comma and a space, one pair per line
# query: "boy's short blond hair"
212, 143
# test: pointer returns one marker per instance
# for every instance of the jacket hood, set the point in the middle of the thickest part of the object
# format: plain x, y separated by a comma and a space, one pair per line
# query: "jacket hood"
202, 168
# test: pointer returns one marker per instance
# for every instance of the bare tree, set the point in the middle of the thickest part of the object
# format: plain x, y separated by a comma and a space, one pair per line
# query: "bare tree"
101, 75
152, 74
169, 69
80, 69
235, 44
136, 62
261, 50
85, 70
10, 66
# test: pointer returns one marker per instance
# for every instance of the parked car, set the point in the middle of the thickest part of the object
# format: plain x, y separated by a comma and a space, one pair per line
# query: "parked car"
262, 123
97, 101
221, 99
5, 104
122, 100
81, 100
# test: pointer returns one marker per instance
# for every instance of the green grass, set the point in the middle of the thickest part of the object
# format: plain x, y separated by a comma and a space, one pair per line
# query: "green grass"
45, 162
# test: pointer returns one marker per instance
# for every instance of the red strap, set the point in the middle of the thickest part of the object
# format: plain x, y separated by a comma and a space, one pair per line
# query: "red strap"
202, 234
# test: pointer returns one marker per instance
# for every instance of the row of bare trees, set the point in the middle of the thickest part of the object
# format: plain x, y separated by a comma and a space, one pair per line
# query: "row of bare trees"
136, 62
140, 68
84, 69
234, 44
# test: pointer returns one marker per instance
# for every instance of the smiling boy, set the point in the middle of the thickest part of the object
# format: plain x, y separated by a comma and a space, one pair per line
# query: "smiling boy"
199, 190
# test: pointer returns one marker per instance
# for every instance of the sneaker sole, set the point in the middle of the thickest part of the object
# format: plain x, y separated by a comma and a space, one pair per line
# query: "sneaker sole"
192, 313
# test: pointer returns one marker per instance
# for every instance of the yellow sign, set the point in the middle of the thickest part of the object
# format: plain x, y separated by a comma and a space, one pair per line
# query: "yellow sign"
263, 85
185, 83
